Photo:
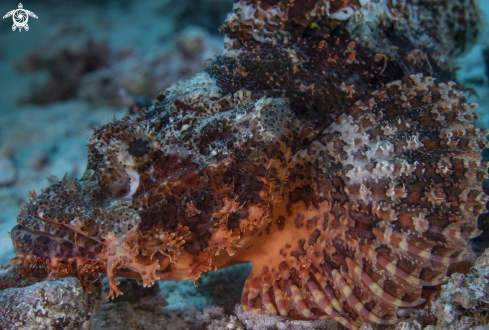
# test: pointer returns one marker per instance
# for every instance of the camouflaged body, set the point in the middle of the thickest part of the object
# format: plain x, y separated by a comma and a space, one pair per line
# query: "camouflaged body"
315, 150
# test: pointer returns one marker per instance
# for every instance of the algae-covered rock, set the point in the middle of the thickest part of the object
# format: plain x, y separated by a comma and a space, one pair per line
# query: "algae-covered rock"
463, 303
50, 304
254, 321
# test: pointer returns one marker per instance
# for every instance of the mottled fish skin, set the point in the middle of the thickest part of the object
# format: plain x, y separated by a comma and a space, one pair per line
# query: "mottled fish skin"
327, 157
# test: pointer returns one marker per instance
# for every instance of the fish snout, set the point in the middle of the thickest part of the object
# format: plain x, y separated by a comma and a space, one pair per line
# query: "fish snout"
41, 244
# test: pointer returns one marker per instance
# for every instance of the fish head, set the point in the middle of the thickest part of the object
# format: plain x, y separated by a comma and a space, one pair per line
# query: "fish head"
165, 193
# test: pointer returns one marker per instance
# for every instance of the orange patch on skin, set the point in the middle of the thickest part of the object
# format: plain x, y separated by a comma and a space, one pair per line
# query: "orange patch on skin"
230, 206
223, 239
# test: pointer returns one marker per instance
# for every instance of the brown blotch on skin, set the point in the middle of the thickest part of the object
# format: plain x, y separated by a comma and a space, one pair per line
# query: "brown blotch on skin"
370, 305
386, 252
467, 228
410, 296
257, 302
313, 238
428, 274
364, 218
342, 247
438, 220
192, 180
361, 295
300, 249
312, 223
435, 237
443, 250
361, 231
376, 277
299, 221
391, 288
406, 265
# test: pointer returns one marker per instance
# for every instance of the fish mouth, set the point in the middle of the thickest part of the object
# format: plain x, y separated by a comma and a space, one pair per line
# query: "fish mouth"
62, 250
47, 239
69, 231
41, 244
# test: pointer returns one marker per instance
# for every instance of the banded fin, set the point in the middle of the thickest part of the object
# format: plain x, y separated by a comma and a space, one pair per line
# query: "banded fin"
378, 206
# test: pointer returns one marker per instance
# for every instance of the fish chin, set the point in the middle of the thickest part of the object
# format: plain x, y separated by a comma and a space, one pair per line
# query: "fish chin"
69, 232
130, 255
54, 248
43, 244
59, 223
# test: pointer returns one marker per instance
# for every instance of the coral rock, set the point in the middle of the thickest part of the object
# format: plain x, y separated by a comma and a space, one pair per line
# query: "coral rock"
253, 321
464, 300
409, 325
51, 304
124, 316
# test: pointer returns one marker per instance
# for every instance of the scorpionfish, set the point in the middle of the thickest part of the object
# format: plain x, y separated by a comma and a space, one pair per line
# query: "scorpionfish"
317, 147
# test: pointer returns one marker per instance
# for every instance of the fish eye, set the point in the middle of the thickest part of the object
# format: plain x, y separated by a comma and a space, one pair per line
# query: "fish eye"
137, 149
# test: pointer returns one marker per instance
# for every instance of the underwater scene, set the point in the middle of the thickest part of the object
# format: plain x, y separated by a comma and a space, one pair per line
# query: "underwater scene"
246, 164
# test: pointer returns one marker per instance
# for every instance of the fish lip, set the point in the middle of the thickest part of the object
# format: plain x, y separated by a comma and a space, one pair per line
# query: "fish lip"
31, 242
28, 238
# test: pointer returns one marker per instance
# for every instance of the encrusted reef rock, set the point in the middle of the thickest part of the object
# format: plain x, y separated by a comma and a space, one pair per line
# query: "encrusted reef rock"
327, 145
463, 302
275, 322
50, 304
124, 316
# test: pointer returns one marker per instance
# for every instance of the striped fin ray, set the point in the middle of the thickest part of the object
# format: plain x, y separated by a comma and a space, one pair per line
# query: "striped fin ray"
377, 206
406, 195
